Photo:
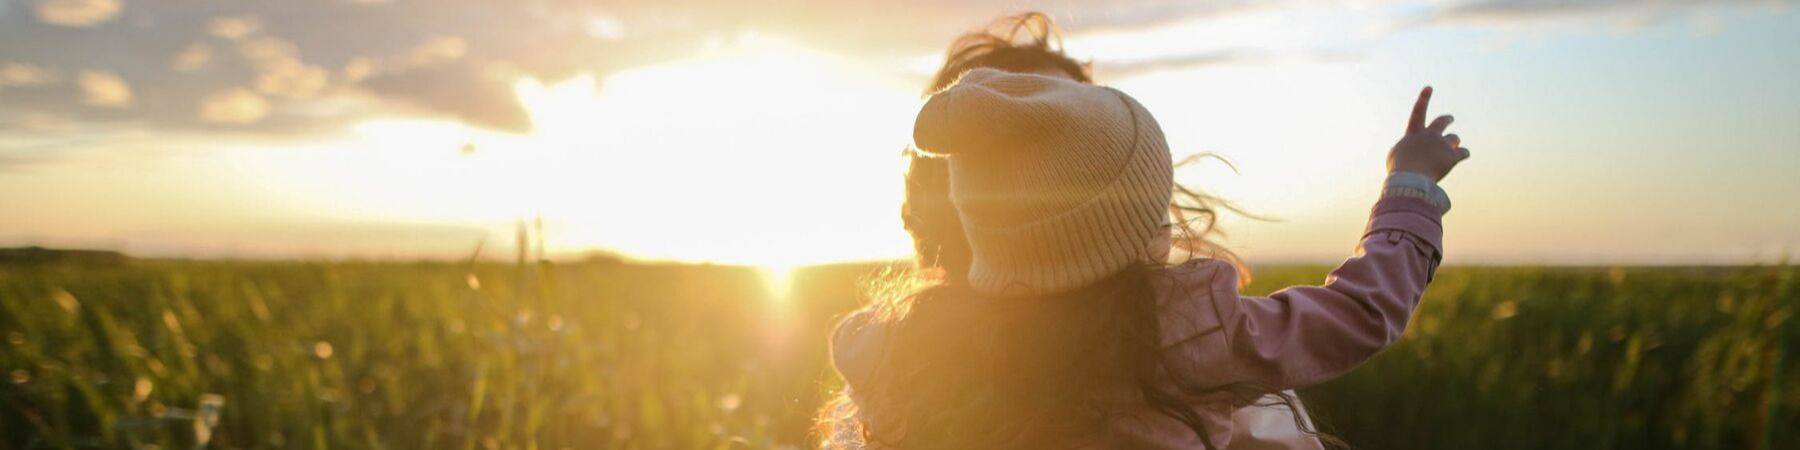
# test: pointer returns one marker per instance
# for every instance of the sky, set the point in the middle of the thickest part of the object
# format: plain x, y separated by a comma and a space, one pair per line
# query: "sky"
769, 132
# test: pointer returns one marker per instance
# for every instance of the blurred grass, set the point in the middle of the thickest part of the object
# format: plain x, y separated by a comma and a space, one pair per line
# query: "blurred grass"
447, 356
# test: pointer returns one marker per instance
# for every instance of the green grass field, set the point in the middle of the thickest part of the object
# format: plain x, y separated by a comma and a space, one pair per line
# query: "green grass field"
170, 355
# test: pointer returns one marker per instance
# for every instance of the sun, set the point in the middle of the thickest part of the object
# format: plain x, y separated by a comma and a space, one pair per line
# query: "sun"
779, 280
763, 152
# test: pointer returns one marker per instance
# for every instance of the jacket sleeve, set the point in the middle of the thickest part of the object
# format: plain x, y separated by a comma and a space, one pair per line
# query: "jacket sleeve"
1305, 335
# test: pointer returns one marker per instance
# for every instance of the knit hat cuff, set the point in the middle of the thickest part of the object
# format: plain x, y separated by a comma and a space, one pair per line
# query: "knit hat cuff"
1078, 247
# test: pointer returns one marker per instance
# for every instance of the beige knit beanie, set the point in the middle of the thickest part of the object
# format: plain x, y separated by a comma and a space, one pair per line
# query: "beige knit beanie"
1059, 184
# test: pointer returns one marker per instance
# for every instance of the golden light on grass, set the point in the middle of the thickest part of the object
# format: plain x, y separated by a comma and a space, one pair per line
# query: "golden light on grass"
779, 278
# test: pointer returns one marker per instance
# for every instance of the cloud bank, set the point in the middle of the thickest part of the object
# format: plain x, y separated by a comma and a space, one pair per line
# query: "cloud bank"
283, 66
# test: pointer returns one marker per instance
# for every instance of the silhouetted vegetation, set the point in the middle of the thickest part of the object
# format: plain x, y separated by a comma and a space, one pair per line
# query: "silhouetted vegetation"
437, 355
40, 255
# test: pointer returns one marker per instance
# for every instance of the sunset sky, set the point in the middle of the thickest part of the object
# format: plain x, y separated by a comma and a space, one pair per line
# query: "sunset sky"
769, 132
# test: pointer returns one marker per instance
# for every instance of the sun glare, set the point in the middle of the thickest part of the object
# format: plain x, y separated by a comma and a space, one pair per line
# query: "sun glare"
779, 278
759, 152
763, 152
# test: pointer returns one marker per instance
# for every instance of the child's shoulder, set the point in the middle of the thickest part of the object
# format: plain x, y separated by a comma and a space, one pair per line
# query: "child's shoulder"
1195, 298
1200, 273
855, 337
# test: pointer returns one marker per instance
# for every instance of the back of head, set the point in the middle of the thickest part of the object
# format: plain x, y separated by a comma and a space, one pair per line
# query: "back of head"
1024, 43
1058, 184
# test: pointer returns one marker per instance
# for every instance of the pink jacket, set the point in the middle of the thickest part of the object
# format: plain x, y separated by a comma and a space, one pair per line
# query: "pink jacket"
1294, 338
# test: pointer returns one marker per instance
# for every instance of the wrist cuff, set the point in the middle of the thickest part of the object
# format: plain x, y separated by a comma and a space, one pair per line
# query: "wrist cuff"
1409, 184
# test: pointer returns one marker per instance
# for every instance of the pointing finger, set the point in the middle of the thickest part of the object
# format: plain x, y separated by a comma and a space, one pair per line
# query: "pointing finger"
1417, 121
1454, 140
1437, 126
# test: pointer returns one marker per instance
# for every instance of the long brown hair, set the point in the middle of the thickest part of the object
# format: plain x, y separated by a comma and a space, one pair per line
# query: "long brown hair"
964, 371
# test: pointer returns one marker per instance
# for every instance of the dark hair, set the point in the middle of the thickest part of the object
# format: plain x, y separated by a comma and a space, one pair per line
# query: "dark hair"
999, 47
965, 371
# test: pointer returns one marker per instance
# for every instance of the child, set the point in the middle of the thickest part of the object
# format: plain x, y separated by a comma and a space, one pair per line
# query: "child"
1030, 43
1069, 331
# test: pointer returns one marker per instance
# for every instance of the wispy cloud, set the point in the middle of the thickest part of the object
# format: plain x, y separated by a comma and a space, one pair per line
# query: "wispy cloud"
268, 65
17, 164
235, 105
457, 58
17, 74
1125, 69
1538, 10
104, 89
77, 13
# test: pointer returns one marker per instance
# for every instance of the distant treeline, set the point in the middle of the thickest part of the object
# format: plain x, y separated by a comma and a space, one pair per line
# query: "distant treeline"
41, 255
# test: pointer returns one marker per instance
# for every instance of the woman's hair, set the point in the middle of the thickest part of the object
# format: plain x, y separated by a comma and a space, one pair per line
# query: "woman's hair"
965, 371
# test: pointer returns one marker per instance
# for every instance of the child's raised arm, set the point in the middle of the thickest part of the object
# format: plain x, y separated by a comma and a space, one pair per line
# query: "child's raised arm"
1304, 335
